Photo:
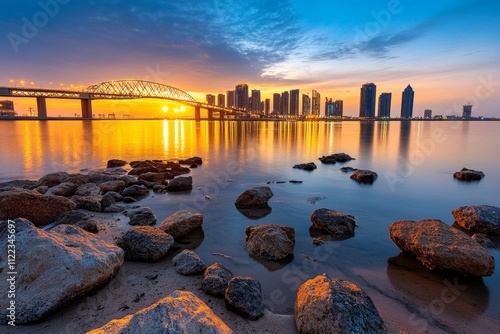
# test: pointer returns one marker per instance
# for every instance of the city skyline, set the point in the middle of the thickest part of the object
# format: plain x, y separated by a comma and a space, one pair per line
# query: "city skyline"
447, 50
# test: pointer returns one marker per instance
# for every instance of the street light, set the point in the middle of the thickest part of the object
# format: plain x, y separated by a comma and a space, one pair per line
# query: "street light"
22, 83
32, 84
12, 82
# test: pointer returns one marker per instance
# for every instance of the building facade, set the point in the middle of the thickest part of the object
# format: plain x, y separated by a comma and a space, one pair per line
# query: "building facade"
230, 99
211, 99
339, 108
315, 103
221, 100
407, 102
267, 106
427, 113
276, 103
255, 100
294, 102
384, 105
467, 111
284, 103
7, 108
241, 96
306, 105
329, 107
367, 100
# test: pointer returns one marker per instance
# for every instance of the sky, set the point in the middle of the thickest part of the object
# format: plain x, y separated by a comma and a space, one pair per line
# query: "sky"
448, 51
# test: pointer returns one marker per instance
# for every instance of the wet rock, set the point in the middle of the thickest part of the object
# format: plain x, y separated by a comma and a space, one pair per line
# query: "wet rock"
244, 297
58, 267
333, 222
20, 184
88, 189
270, 241
141, 216
256, 197
348, 169
306, 166
142, 170
182, 183
191, 161
216, 279
180, 312
42, 189
296, 181
65, 189
99, 177
115, 185
135, 191
149, 185
468, 175
159, 188
53, 179
116, 163
145, 244
151, 177
128, 179
317, 241
336, 157
78, 179
128, 199
329, 305
257, 213
193, 166
29, 204
441, 247
116, 196
483, 240
188, 262
141, 164
181, 223
364, 176
78, 218
480, 218
107, 201
90, 203
114, 208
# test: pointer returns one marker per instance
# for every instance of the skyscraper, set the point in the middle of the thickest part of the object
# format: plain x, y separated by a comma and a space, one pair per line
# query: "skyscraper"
284, 103
407, 102
256, 100
276, 103
221, 100
241, 96
315, 105
267, 106
428, 113
211, 99
329, 107
384, 105
294, 102
467, 111
230, 98
339, 108
367, 102
306, 105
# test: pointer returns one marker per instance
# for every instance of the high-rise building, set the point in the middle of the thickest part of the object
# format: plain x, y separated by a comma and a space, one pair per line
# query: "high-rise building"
315, 104
241, 96
407, 102
339, 108
384, 105
267, 106
230, 99
276, 103
211, 99
329, 107
427, 113
294, 102
306, 105
7, 108
256, 100
284, 103
221, 100
367, 102
467, 111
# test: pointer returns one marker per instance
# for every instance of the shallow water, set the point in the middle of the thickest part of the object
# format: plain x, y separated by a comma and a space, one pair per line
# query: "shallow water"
414, 160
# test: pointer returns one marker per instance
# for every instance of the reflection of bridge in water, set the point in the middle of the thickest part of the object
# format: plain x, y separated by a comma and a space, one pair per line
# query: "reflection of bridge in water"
120, 90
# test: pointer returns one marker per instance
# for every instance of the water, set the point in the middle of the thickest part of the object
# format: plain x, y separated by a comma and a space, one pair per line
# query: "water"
414, 160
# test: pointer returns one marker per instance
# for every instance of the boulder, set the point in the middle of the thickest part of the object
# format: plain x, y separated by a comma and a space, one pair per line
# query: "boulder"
114, 208
42, 189
480, 218
333, 222
181, 183
20, 184
329, 305
188, 262
107, 201
78, 179
101, 176
483, 240
270, 241
141, 163
116, 196
191, 161
348, 169
116, 163
441, 247
142, 170
78, 218
39, 209
216, 279
336, 157
466, 174
306, 166
244, 297
55, 267
145, 244
181, 223
115, 186
128, 179
141, 216
256, 197
151, 177
90, 203
364, 176
180, 312
88, 189
53, 179
65, 189
135, 191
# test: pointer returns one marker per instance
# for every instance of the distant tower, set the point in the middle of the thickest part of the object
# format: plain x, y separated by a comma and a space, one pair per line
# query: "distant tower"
256, 100
315, 105
294, 102
339, 108
276, 103
306, 105
241, 96
467, 111
221, 100
407, 103
329, 107
211, 99
427, 113
230, 98
284, 103
367, 102
384, 105
267, 106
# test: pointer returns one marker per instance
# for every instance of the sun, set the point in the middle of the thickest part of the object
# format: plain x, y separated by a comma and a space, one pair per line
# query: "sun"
164, 109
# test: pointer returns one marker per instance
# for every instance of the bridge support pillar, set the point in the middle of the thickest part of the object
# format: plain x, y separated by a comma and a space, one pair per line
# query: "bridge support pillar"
86, 108
221, 115
197, 113
210, 114
41, 106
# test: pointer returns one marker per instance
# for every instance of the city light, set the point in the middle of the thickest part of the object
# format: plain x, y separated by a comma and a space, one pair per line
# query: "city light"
164, 109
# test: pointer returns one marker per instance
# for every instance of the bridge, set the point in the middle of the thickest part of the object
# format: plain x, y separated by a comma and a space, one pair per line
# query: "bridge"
120, 90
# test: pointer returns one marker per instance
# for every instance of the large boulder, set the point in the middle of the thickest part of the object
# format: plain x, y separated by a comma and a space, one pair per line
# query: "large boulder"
181, 183
181, 223
328, 305
115, 163
466, 174
65, 189
152, 177
191, 161
141, 216
270, 241
88, 189
244, 297
441, 247
145, 244
78, 218
333, 222
364, 176
55, 267
90, 203
53, 179
21, 184
39, 209
135, 191
480, 218
115, 185
180, 312
256, 197
216, 279
188, 262
336, 157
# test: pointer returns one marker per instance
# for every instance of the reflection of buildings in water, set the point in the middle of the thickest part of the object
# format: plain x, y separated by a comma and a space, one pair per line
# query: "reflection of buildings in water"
366, 134
404, 139
383, 132
333, 133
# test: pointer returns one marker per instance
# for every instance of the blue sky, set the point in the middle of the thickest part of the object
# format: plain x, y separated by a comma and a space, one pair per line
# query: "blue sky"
449, 51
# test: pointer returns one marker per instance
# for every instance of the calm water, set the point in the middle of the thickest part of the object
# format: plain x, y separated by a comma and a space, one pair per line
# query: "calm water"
415, 162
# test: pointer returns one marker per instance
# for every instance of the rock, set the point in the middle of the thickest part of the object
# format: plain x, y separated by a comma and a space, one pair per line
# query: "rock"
329, 305
181, 223
193, 166
480, 218
141, 216
441, 247
79, 179
306, 166
65, 189
128, 179
182, 183
56, 267
78, 218
191, 161
88, 189
364, 176
116, 196
149, 185
116, 163
318, 241
53, 179
159, 188
142, 170
42, 189
129, 199
114, 208
333, 222
107, 201
115, 185
20, 184
466, 174
216, 279
348, 169
296, 181
256, 197
483, 240
150, 176
141, 163
90, 203
336, 157
244, 297
188, 262
270, 241
180, 312
135, 191
145, 244
29, 204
